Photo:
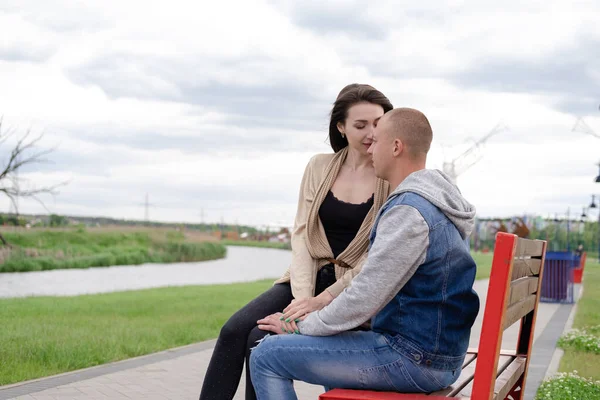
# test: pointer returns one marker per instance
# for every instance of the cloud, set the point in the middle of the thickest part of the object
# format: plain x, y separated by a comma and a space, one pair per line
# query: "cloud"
569, 76
28, 42
287, 100
214, 106
348, 18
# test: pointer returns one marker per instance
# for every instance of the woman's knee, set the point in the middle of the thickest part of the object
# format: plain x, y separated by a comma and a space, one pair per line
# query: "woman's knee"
231, 330
255, 337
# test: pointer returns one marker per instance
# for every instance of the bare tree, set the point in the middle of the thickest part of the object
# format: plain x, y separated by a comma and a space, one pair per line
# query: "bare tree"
23, 153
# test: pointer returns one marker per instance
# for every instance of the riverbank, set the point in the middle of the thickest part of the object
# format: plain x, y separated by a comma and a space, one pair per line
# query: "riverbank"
41, 250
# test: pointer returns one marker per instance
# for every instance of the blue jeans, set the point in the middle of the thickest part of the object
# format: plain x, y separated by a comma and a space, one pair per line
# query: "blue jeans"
350, 360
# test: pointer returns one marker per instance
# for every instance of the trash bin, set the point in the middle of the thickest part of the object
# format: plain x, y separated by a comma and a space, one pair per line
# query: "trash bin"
557, 281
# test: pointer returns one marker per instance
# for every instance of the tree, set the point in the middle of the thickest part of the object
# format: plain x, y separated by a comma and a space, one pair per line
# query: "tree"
58, 220
23, 153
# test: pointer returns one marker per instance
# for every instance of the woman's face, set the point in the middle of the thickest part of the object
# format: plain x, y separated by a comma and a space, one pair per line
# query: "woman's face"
358, 127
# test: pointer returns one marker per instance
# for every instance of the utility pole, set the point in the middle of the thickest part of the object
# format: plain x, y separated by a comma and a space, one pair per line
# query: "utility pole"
147, 206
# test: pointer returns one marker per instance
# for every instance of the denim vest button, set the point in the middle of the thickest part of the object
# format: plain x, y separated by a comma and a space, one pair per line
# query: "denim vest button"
417, 357
428, 362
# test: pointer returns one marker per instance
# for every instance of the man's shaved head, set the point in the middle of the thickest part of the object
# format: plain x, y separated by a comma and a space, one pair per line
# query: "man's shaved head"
412, 128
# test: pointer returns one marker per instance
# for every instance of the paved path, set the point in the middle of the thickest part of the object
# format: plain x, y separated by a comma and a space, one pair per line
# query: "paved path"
178, 373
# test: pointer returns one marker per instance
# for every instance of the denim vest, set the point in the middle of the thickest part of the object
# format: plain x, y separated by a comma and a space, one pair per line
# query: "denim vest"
430, 318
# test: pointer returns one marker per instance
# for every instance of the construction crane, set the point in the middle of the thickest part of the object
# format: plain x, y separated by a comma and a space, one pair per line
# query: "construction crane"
583, 127
471, 156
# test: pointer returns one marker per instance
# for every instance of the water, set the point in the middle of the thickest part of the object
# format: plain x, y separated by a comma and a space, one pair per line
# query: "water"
242, 264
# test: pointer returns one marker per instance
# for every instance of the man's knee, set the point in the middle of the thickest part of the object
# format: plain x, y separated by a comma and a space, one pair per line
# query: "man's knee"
260, 354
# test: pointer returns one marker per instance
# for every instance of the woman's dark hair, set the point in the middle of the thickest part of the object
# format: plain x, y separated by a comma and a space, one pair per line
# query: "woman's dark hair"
349, 96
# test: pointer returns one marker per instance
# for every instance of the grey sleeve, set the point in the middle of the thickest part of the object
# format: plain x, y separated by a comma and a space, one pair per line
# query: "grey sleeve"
399, 248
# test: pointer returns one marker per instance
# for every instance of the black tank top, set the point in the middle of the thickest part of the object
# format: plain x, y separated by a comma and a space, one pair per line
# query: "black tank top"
342, 220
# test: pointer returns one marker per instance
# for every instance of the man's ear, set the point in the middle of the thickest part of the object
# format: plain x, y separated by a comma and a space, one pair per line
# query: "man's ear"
398, 147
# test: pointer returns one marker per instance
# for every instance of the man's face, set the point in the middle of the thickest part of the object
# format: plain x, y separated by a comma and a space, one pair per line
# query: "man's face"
381, 149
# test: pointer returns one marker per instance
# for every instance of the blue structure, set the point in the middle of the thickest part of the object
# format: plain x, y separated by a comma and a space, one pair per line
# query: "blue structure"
557, 281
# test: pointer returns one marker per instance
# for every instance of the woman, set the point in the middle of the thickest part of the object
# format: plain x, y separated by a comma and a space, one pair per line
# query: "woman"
339, 198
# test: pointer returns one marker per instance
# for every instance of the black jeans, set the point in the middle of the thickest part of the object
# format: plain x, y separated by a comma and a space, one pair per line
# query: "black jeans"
240, 334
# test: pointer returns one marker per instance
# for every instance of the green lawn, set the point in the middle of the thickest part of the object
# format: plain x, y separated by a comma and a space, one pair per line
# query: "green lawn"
588, 316
44, 336
484, 264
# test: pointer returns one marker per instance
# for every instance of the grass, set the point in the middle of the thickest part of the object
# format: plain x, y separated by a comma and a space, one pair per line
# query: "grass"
484, 264
43, 336
578, 353
579, 376
78, 248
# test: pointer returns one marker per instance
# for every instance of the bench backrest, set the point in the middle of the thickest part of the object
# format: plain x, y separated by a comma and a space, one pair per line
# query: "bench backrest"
512, 296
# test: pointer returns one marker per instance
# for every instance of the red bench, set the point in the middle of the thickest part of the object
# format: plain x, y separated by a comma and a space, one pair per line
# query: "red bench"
578, 272
489, 372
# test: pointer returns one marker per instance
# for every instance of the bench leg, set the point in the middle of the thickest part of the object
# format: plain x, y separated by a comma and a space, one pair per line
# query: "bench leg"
516, 393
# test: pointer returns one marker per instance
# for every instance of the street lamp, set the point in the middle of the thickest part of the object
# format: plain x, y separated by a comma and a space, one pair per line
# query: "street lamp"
593, 205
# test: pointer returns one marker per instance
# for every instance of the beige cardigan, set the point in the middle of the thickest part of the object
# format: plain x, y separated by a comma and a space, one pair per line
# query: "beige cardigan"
311, 250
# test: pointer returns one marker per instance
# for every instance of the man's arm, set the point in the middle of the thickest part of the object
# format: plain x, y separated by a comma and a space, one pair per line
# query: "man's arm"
399, 248
346, 280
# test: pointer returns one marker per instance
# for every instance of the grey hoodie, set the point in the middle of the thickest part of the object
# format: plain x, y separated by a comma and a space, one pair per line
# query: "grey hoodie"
400, 246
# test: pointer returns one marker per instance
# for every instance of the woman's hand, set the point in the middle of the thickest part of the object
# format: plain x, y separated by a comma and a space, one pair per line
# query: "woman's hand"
299, 309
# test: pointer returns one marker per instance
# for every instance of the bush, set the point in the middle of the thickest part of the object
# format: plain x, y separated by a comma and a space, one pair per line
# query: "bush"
47, 250
568, 386
585, 340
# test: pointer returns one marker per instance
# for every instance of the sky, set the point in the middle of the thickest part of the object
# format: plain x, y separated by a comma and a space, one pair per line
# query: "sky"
213, 109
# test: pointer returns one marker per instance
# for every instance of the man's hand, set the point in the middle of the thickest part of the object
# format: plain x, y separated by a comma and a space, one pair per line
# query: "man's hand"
299, 309
273, 323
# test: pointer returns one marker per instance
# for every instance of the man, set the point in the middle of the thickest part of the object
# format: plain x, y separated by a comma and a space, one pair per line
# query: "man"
416, 287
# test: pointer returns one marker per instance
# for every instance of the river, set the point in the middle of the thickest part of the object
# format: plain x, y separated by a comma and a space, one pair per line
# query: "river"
242, 264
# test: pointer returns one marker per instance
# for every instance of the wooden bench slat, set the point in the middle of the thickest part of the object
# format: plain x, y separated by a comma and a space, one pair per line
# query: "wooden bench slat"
503, 362
471, 355
508, 378
529, 248
523, 267
518, 310
520, 288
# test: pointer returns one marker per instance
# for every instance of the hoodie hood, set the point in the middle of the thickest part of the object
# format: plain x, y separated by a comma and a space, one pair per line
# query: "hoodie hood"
436, 187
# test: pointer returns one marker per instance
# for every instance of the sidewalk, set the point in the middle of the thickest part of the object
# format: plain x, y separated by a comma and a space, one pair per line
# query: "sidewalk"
178, 373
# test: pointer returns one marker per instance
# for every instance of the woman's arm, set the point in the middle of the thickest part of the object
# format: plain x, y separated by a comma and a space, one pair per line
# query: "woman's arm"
297, 310
302, 268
